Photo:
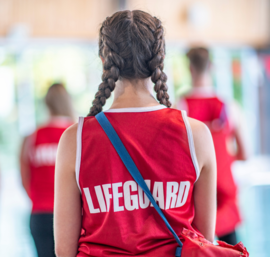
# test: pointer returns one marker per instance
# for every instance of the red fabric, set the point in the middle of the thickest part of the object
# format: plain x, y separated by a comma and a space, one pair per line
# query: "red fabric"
212, 111
42, 153
157, 142
195, 245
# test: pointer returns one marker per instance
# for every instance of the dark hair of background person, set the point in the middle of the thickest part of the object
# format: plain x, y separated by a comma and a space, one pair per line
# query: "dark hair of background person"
199, 59
132, 46
58, 101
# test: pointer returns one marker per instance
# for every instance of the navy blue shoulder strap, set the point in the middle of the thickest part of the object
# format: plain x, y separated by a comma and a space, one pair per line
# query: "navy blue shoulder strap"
133, 170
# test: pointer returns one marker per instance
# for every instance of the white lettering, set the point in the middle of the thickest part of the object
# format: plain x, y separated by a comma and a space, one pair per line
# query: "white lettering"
100, 198
183, 193
131, 201
51, 153
143, 199
116, 196
176, 196
172, 188
45, 155
108, 196
158, 194
89, 201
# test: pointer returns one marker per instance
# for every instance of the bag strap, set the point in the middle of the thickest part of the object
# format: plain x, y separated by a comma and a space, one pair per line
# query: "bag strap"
133, 170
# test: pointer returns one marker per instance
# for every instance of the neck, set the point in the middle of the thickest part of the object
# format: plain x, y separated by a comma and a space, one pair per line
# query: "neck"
63, 117
202, 81
133, 93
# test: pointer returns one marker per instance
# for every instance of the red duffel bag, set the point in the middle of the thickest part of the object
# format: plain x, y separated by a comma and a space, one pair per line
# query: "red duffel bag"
197, 246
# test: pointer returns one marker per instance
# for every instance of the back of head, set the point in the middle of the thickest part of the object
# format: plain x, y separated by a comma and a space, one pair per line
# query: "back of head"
132, 45
199, 59
58, 101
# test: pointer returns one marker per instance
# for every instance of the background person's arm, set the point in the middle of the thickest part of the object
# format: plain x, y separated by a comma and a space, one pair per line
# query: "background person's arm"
241, 153
205, 187
236, 120
24, 165
67, 202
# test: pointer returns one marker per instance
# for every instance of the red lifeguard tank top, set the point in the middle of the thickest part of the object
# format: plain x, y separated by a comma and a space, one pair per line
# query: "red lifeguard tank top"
42, 154
118, 219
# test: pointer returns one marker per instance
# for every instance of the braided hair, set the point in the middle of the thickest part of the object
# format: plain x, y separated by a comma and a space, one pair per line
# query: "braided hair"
132, 46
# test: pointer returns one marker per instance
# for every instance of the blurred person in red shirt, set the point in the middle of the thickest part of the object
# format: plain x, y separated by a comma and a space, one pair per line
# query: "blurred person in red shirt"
202, 103
37, 164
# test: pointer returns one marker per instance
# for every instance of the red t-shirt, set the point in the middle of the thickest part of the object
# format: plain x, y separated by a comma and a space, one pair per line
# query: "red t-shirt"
117, 217
41, 156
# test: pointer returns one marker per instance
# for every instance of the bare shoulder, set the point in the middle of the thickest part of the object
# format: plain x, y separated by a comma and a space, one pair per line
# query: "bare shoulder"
199, 129
70, 133
66, 154
203, 141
